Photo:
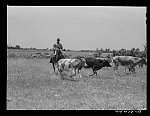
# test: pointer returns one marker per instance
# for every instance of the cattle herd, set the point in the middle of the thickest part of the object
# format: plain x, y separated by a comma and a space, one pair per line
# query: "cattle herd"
76, 64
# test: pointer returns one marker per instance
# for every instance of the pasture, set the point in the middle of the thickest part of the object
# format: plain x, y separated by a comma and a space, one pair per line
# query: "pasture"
31, 84
14, 53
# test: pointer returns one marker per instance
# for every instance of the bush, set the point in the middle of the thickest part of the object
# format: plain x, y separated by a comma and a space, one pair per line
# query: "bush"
17, 47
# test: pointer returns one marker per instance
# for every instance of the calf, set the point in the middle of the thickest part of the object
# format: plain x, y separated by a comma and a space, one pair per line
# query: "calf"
96, 64
71, 65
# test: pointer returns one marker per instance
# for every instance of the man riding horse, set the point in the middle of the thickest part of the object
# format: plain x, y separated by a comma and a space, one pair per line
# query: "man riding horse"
57, 53
57, 48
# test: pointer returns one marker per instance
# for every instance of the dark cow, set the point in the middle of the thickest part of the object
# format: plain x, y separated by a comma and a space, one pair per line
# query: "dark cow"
96, 64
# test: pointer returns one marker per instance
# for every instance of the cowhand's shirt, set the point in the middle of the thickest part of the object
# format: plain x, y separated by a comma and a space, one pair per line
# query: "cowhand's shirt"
57, 46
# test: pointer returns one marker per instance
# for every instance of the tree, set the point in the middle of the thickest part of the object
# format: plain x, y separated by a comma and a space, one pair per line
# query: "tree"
98, 52
17, 47
128, 53
101, 50
114, 52
133, 49
137, 50
133, 52
123, 51
107, 50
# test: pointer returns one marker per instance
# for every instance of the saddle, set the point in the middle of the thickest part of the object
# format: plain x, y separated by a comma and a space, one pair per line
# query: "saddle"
54, 58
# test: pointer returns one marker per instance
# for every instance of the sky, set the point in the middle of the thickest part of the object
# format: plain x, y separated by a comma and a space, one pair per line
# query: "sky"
79, 28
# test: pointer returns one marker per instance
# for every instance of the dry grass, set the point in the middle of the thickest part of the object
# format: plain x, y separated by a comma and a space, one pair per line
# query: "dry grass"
14, 53
31, 84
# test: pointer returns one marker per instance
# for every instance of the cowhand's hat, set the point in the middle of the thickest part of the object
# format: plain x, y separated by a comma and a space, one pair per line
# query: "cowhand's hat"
58, 39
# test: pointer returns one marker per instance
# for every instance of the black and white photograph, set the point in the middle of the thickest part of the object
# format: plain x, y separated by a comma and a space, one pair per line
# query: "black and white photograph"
76, 58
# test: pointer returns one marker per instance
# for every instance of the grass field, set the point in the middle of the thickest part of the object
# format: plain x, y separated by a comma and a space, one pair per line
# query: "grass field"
31, 84
14, 53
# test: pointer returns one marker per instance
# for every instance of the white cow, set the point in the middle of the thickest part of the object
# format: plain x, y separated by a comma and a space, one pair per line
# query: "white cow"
126, 61
72, 65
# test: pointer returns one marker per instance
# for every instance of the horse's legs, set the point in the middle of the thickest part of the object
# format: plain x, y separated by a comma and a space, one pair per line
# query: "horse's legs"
53, 66
50, 60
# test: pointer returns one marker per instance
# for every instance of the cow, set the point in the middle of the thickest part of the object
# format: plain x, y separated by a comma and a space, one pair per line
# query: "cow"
108, 59
96, 64
126, 61
71, 65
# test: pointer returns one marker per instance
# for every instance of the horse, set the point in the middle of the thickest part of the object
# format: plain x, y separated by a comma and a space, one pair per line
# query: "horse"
55, 58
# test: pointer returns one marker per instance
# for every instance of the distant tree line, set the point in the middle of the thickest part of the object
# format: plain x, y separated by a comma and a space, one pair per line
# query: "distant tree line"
14, 47
122, 52
18, 47
133, 52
